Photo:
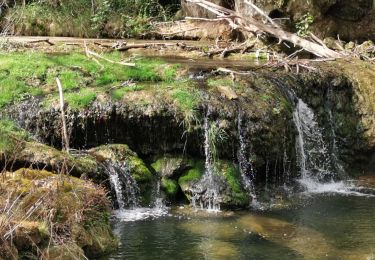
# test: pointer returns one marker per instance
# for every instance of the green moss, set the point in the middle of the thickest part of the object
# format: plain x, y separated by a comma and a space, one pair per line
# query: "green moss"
158, 165
122, 153
139, 170
169, 186
70, 203
193, 174
30, 174
232, 176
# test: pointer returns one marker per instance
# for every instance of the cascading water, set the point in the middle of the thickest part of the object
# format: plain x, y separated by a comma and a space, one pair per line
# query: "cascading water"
206, 193
246, 168
123, 184
318, 170
313, 156
127, 195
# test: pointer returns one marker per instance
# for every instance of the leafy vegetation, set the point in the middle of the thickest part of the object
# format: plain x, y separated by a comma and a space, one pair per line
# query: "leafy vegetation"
304, 24
114, 18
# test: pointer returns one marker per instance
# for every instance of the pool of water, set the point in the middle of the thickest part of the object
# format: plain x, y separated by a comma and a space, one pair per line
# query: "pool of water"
315, 226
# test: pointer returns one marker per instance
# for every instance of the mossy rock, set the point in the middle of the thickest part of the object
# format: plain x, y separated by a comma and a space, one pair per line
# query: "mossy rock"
171, 166
122, 153
192, 175
228, 182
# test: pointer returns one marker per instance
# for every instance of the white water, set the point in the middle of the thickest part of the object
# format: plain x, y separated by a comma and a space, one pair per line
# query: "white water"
123, 184
127, 195
313, 157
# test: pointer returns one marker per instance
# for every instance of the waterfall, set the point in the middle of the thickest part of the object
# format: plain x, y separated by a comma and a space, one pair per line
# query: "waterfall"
123, 184
246, 168
205, 194
127, 195
313, 157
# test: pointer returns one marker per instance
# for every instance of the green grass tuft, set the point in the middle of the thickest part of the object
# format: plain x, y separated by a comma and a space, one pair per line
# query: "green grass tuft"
80, 99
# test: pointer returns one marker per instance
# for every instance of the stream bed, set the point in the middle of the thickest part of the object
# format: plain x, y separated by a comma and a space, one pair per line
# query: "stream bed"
328, 225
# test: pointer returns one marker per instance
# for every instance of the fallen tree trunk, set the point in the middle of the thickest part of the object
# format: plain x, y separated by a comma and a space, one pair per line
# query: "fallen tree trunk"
252, 25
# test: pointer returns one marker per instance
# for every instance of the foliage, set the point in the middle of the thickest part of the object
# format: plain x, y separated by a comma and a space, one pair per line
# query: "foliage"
303, 25
83, 18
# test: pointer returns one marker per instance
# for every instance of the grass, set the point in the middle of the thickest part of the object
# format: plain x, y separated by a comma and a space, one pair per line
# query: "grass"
33, 74
69, 202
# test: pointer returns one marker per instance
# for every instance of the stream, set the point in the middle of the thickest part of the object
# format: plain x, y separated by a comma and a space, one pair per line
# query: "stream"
325, 225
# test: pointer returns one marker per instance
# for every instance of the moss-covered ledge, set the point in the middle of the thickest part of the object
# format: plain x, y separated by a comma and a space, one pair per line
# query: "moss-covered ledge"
53, 216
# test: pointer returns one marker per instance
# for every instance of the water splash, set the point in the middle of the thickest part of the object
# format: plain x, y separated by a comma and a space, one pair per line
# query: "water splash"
123, 184
246, 167
127, 195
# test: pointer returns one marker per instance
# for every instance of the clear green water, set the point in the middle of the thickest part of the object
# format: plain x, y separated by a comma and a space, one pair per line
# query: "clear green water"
317, 227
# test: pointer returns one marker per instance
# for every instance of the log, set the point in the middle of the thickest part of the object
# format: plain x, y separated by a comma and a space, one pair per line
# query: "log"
248, 24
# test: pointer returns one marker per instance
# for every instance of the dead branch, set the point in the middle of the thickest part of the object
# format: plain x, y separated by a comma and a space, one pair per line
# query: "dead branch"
144, 46
43, 40
249, 24
94, 55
